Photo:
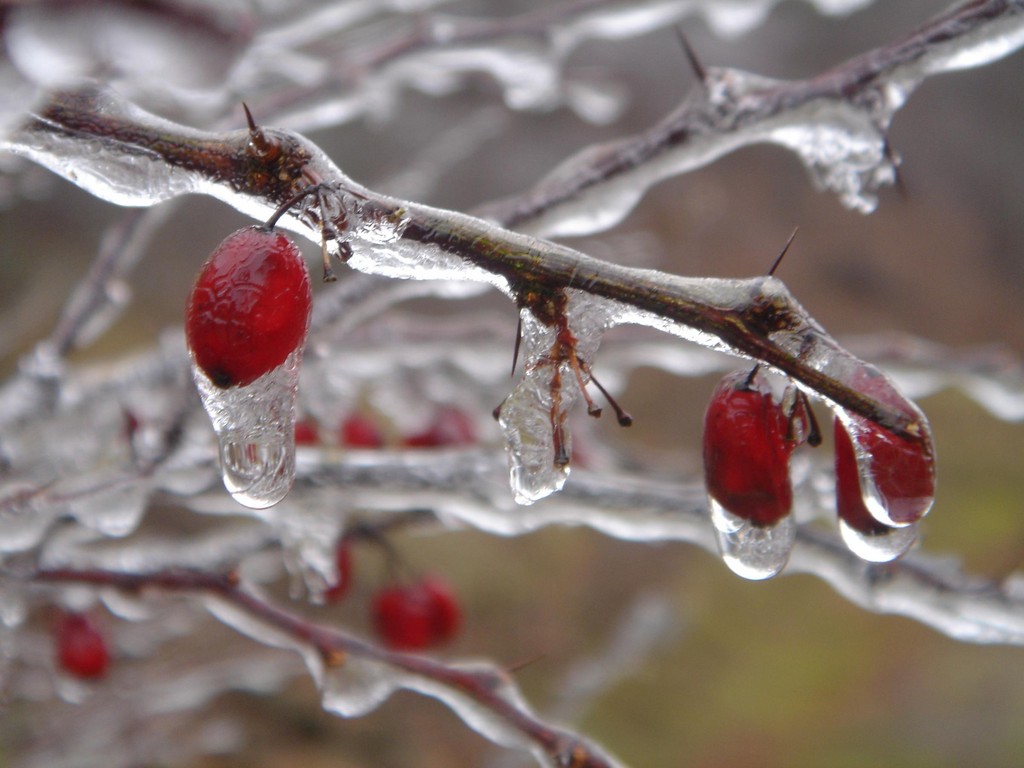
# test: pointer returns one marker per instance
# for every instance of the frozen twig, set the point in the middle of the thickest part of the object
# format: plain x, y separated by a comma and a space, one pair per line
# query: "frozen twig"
836, 121
487, 687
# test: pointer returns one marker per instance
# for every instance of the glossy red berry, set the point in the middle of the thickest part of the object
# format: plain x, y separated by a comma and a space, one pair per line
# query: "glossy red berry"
343, 562
901, 471
746, 451
249, 308
415, 616
358, 431
81, 648
451, 427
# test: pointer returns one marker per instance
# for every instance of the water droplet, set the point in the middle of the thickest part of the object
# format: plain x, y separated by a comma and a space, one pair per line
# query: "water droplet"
752, 551
255, 427
880, 547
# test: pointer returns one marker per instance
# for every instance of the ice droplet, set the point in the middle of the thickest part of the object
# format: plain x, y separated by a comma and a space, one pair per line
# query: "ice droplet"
539, 443
357, 686
535, 469
881, 547
255, 427
113, 508
752, 551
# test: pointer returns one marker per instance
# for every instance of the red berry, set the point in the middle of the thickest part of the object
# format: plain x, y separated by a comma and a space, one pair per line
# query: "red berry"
306, 432
416, 616
903, 471
746, 451
81, 649
849, 498
249, 308
343, 561
360, 432
451, 427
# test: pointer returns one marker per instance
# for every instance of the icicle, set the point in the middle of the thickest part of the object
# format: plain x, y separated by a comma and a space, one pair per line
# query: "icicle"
533, 418
255, 426
882, 547
750, 550
357, 686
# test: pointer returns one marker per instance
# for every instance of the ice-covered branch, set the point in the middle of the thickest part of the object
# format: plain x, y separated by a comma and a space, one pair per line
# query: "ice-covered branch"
356, 675
931, 590
118, 152
338, 72
837, 122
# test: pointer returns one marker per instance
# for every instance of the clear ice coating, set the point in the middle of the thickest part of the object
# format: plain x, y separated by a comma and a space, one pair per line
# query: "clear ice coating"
897, 477
255, 427
538, 439
752, 551
534, 417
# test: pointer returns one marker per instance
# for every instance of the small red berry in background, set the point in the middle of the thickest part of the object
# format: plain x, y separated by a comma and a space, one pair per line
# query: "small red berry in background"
451, 427
746, 450
81, 648
343, 562
358, 431
249, 308
306, 432
415, 616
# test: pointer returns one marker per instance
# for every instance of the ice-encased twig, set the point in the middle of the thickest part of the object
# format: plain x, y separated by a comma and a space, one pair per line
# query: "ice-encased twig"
837, 123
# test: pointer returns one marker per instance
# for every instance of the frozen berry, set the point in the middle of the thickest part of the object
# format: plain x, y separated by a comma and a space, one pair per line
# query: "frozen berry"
902, 472
451, 427
358, 431
746, 451
81, 649
306, 432
416, 616
249, 308
849, 498
343, 562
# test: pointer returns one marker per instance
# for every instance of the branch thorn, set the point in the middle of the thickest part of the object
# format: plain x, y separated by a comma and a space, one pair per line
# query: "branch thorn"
691, 55
778, 259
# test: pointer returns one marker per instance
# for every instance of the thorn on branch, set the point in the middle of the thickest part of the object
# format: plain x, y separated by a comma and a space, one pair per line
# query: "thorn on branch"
782, 253
691, 56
